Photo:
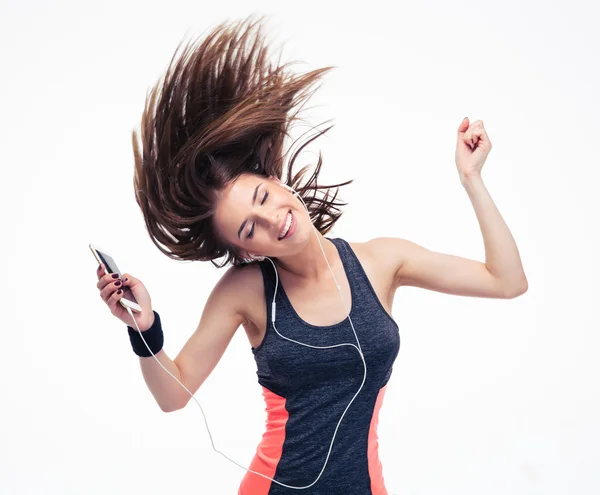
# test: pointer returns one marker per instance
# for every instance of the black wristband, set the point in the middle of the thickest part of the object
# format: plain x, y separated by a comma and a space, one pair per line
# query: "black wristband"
153, 336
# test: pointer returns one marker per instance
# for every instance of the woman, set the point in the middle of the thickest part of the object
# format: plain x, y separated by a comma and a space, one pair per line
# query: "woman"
207, 178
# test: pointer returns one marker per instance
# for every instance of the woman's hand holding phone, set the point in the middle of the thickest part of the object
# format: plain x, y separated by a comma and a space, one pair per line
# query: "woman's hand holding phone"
108, 287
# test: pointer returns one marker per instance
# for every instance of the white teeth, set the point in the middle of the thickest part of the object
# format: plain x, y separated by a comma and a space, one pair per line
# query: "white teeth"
286, 227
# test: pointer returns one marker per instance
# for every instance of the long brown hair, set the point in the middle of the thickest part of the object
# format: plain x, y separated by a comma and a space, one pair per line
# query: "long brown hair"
221, 110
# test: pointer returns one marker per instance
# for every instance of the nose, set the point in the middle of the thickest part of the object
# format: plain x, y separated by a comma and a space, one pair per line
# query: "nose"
269, 218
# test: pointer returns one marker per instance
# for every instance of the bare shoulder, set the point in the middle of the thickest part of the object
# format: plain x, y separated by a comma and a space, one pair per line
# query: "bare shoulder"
384, 246
245, 285
372, 253
389, 254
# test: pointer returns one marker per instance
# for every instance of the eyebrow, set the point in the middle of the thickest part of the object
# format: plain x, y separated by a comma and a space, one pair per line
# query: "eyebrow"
253, 201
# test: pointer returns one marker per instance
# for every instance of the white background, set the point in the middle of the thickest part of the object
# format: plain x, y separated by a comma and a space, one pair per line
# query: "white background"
487, 396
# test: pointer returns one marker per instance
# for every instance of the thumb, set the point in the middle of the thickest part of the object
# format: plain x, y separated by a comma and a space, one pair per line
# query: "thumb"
131, 280
464, 125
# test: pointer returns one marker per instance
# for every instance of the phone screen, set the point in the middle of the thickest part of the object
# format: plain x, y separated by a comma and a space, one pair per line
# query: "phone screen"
111, 267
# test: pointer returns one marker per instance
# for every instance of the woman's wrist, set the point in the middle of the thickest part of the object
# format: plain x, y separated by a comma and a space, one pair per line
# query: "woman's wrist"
152, 338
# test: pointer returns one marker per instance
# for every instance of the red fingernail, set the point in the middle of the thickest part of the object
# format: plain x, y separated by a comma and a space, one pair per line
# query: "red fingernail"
119, 291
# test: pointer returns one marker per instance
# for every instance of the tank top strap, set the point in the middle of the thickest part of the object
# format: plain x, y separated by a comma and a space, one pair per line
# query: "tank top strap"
268, 276
357, 278
359, 283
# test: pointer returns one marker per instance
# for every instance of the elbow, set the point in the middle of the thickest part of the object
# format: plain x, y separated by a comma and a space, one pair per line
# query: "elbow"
167, 408
517, 290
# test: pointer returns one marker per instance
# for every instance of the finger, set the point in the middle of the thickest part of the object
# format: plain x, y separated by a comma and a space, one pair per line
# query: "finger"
108, 290
486, 139
113, 300
131, 280
478, 135
469, 137
107, 279
100, 271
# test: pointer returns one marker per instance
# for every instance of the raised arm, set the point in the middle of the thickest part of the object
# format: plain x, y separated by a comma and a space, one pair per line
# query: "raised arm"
500, 276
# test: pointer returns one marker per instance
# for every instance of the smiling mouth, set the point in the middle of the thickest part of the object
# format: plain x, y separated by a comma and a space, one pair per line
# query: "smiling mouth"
289, 219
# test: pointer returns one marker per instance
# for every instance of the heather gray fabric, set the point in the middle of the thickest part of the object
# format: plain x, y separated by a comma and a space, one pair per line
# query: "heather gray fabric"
318, 384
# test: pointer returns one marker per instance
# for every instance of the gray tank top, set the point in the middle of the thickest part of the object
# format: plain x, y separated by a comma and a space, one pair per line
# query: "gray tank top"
316, 385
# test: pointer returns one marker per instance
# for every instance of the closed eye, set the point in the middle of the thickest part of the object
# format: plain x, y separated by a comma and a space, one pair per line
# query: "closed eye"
251, 234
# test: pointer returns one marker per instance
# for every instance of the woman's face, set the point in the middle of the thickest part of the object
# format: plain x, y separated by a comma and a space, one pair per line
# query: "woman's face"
252, 213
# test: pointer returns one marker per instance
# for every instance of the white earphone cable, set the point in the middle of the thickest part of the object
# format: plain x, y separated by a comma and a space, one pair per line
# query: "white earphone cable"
273, 311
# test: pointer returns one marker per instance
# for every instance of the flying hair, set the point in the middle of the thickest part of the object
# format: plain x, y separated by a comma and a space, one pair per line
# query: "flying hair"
222, 109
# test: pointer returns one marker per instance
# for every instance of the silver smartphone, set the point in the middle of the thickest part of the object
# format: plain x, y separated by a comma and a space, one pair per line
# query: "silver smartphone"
103, 257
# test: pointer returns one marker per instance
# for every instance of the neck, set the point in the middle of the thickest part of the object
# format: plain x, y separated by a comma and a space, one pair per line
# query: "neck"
309, 263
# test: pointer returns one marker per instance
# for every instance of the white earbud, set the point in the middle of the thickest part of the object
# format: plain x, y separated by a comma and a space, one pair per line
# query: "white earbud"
288, 188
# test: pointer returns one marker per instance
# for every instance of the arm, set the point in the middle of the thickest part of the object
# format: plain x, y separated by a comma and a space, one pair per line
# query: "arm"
501, 276
220, 319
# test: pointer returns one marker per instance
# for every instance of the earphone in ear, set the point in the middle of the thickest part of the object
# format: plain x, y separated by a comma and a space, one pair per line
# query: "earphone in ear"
283, 185
288, 188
